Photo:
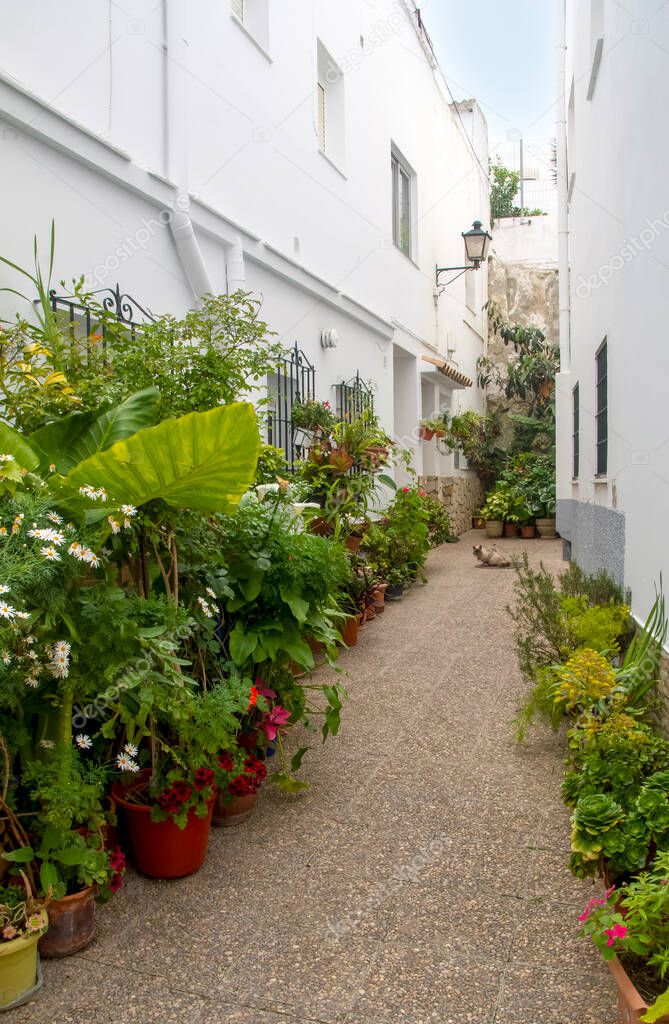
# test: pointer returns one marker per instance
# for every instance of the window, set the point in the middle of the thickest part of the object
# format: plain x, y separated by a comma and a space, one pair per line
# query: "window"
403, 187
601, 415
237, 7
253, 18
575, 440
330, 111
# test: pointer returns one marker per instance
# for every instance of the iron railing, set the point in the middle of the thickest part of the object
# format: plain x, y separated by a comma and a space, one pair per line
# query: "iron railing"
84, 321
354, 397
293, 382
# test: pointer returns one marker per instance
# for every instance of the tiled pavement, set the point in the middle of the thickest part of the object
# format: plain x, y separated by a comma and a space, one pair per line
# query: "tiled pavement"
421, 879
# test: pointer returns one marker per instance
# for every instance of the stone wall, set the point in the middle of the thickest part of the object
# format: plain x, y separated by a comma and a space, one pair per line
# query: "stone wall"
462, 496
663, 692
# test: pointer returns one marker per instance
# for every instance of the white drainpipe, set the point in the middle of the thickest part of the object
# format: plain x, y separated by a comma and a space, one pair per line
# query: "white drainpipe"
188, 249
236, 269
562, 188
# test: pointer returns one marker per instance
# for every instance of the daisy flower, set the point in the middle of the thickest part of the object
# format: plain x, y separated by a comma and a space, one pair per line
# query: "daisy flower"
47, 744
50, 554
4, 589
6, 610
125, 763
52, 467
131, 750
212, 593
127, 523
32, 682
54, 518
92, 560
83, 741
6, 658
114, 523
62, 648
129, 510
204, 605
6, 458
23, 615
100, 493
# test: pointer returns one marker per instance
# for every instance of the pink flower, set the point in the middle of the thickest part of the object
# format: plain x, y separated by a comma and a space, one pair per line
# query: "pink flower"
274, 720
265, 692
405, 490
591, 905
619, 931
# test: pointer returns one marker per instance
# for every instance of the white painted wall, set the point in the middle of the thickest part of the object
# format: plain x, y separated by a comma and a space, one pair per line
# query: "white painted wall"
527, 240
151, 102
619, 256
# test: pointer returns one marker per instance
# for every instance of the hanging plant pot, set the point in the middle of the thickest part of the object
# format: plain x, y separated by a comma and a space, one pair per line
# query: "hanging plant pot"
546, 528
426, 433
71, 924
233, 811
510, 529
631, 1006
320, 526
349, 632
160, 849
20, 974
353, 543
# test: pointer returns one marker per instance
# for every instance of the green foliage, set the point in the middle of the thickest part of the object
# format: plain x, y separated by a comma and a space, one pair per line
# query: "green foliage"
397, 546
438, 521
503, 187
476, 436
67, 861
271, 464
531, 477
313, 415
506, 505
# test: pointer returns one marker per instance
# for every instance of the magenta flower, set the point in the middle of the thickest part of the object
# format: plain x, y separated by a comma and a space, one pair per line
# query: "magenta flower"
273, 721
265, 692
591, 905
619, 931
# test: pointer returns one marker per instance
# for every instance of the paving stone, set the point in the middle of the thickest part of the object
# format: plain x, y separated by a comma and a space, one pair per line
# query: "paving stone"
534, 996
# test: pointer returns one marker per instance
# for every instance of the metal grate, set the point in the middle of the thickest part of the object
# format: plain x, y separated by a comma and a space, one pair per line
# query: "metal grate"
354, 397
82, 320
575, 436
293, 382
602, 414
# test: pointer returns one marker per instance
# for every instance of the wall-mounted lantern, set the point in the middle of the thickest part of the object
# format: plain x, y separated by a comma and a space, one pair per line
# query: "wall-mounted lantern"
477, 242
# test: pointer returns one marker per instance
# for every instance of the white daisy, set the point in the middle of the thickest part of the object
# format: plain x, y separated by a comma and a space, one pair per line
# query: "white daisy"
206, 608
115, 526
6, 658
23, 615
92, 560
4, 589
62, 648
212, 593
101, 494
54, 517
83, 741
127, 523
32, 682
125, 763
47, 744
50, 554
129, 510
52, 467
6, 458
6, 610
131, 750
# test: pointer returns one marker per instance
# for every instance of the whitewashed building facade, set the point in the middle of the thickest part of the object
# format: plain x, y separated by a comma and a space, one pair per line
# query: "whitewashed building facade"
613, 429
306, 152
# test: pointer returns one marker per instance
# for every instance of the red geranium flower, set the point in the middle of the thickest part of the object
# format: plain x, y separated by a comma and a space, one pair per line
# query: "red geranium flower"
203, 777
116, 881
225, 761
256, 769
242, 785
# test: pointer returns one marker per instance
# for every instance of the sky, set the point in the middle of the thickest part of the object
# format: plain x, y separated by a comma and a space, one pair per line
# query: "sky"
502, 54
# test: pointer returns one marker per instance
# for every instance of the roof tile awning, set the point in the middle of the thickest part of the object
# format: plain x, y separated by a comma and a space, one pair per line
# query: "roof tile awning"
449, 371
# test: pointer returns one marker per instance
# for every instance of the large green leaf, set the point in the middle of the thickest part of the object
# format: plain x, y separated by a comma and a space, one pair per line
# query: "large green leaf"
71, 439
204, 460
13, 443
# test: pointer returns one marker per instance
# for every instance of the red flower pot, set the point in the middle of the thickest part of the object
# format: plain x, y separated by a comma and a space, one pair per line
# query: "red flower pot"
353, 543
510, 530
71, 924
235, 811
160, 849
527, 531
426, 433
349, 631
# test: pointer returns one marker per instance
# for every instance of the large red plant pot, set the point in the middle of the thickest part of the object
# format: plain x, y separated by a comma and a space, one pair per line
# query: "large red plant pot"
631, 1006
349, 632
71, 924
160, 849
235, 811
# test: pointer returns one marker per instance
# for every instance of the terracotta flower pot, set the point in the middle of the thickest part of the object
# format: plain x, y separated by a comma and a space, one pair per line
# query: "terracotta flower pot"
527, 531
494, 527
235, 811
349, 632
510, 529
478, 522
426, 433
160, 849
546, 528
631, 1006
71, 924
353, 543
20, 977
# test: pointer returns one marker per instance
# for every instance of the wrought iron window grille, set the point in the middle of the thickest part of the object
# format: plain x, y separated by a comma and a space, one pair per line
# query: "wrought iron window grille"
353, 398
293, 382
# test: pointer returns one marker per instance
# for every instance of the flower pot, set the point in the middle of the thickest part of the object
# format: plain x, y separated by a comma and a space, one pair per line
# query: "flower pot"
320, 526
395, 593
546, 528
494, 527
349, 632
353, 543
160, 849
20, 975
478, 522
71, 924
527, 531
631, 1006
426, 433
233, 812
510, 529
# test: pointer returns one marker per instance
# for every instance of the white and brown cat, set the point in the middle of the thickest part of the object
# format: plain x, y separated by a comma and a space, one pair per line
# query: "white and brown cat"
490, 557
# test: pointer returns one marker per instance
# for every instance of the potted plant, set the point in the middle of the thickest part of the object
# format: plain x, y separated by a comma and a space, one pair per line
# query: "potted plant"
313, 417
478, 521
22, 921
630, 927
527, 530
494, 512
238, 785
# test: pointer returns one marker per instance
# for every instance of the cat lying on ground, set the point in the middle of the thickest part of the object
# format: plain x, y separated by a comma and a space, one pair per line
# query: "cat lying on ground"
490, 556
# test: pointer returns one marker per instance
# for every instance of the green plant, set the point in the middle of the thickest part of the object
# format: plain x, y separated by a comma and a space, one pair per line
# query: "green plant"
476, 437
503, 188
438, 520
506, 505
400, 541
632, 923
313, 415
68, 861
271, 464
20, 914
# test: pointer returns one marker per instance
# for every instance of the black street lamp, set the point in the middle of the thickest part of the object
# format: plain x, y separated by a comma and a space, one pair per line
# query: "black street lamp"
477, 243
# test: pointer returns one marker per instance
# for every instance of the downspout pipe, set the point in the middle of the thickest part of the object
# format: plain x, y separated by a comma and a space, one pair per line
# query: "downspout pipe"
188, 248
562, 190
